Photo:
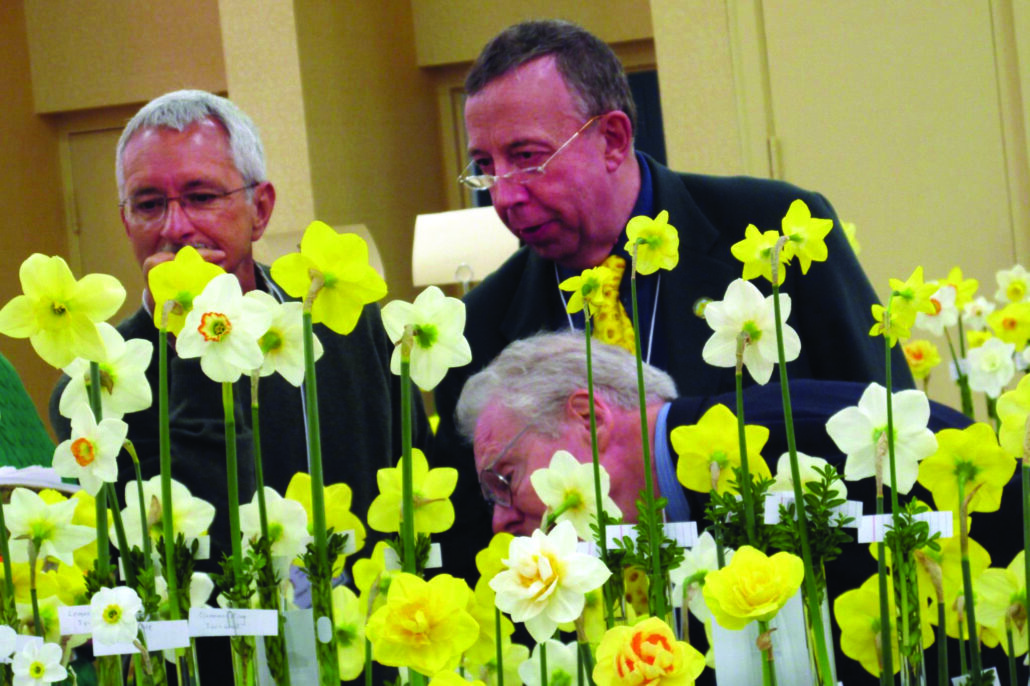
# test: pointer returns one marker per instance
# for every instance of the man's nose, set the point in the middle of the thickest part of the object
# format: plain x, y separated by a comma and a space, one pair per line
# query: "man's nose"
176, 224
507, 193
506, 519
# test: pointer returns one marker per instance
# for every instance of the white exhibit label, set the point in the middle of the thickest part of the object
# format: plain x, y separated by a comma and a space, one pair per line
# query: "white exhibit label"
872, 528
773, 501
163, 635
208, 621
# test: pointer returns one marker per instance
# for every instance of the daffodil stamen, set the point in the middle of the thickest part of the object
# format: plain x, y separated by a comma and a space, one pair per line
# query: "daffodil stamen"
83, 451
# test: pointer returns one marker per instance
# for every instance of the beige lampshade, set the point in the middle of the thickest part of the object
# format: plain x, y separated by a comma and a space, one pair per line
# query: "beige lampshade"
461, 246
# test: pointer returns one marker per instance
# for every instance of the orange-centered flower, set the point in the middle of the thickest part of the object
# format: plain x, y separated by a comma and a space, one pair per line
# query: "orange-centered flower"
214, 326
84, 451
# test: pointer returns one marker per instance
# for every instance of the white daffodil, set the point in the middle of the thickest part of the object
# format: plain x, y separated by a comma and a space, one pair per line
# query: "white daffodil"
8, 639
223, 329
91, 454
857, 431
191, 516
566, 487
47, 526
561, 664
1013, 285
945, 312
991, 366
201, 588
545, 580
38, 664
283, 343
287, 526
807, 466
438, 324
123, 381
974, 313
745, 310
689, 577
113, 615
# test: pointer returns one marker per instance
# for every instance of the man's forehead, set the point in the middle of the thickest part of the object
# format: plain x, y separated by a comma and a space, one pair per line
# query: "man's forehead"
495, 428
196, 155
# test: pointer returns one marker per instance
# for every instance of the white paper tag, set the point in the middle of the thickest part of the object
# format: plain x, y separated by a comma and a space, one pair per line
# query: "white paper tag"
74, 619
299, 648
393, 562
871, 528
209, 621
587, 548
203, 547
961, 680
773, 501
162, 635
20, 641
684, 533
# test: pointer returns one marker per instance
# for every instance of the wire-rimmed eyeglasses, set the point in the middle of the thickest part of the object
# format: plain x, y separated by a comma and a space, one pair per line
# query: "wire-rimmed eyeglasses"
151, 208
496, 487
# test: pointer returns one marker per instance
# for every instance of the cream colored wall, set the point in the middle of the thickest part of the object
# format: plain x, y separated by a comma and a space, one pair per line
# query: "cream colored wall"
30, 190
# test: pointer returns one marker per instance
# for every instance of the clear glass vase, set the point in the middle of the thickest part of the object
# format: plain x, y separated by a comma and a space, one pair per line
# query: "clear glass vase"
824, 611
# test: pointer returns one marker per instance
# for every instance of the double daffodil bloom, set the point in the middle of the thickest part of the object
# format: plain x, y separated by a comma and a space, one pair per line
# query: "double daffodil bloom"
566, 487
587, 290
432, 489
657, 243
646, 653
179, 280
752, 586
806, 233
709, 450
123, 376
59, 314
349, 281
991, 366
972, 457
438, 325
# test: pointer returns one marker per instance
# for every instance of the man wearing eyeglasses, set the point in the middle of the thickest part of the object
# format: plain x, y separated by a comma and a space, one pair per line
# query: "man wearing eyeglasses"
550, 122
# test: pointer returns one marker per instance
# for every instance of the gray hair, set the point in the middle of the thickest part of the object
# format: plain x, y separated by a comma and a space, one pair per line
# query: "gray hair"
591, 70
179, 109
534, 378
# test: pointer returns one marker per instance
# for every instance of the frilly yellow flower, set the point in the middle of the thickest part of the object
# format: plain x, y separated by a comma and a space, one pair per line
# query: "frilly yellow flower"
432, 489
647, 653
58, 314
179, 280
752, 587
1011, 323
349, 623
587, 290
922, 356
709, 450
806, 234
973, 457
423, 625
657, 242
755, 251
350, 282
1013, 409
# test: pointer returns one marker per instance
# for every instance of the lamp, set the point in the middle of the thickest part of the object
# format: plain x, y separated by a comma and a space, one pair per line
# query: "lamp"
460, 246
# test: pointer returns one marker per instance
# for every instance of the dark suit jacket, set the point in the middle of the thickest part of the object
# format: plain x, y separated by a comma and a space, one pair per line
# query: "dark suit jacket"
830, 311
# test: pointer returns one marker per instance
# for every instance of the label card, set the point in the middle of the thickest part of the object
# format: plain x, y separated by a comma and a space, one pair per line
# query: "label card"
871, 528
160, 635
962, 680
207, 621
851, 508
393, 563
684, 533
74, 619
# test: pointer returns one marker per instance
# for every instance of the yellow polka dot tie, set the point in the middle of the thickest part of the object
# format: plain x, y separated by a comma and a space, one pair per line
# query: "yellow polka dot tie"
611, 323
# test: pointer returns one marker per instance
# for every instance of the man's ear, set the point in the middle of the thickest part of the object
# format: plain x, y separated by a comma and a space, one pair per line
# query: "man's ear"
264, 203
577, 411
618, 135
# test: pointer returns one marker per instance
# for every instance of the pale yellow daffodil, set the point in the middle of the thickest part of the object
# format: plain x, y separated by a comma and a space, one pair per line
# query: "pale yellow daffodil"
566, 487
965, 289
709, 450
806, 234
338, 516
179, 280
47, 527
1013, 284
1012, 323
656, 242
972, 458
349, 622
755, 251
1013, 410
431, 488
1001, 598
587, 290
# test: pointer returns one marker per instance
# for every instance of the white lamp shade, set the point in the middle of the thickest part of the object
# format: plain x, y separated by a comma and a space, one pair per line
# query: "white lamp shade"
459, 246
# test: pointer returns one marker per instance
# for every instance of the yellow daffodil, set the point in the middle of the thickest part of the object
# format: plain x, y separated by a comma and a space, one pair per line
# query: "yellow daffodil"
752, 586
372, 579
587, 290
965, 289
432, 489
892, 328
437, 323
850, 232
806, 234
48, 527
46, 584
481, 607
858, 615
1012, 284
338, 516
1000, 602
58, 314
1012, 323
490, 560
911, 296
922, 356
452, 678
950, 560
349, 621
179, 280
972, 457
350, 282
1013, 409
755, 251
566, 487
974, 339
657, 242
646, 653
709, 450
423, 625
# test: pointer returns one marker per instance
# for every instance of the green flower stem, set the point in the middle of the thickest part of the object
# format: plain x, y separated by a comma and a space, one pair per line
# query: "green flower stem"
103, 546
975, 665
745, 467
963, 664
498, 646
962, 379
147, 548
544, 681
368, 662
602, 537
768, 665
128, 566
37, 622
992, 411
658, 588
811, 593
942, 645
572, 500
1011, 653
886, 653
259, 472
407, 531
233, 479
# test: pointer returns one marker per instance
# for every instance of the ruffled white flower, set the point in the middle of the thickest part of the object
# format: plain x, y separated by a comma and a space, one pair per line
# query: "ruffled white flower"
287, 526
991, 366
223, 329
974, 313
47, 526
689, 577
566, 486
113, 615
283, 343
439, 325
8, 640
545, 580
744, 309
1013, 285
857, 431
807, 466
91, 454
561, 664
191, 516
945, 312
201, 588
38, 664
123, 380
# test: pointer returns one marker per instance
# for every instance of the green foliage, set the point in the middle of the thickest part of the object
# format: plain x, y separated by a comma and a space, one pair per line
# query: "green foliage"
726, 512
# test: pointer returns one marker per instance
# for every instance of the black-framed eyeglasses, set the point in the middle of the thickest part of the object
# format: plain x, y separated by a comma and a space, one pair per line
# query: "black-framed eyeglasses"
496, 487
151, 208
482, 182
